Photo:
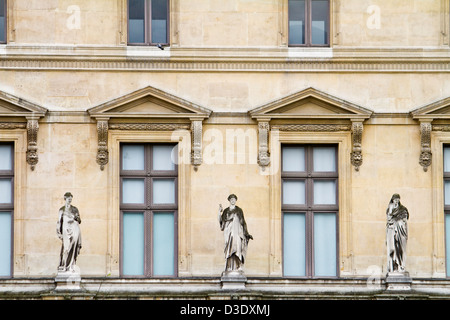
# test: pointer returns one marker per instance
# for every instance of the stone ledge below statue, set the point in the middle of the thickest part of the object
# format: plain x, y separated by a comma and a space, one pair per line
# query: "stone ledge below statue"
68, 281
233, 280
398, 281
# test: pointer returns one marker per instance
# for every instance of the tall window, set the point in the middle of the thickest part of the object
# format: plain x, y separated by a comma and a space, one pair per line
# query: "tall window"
447, 205
310, 209
148, 22
148, 210
2, 21
6, 208
309, 22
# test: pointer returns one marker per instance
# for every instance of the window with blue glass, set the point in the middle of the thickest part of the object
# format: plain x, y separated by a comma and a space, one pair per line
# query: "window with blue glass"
148, 22
309, 23
447, 206
6, 208
309, 210
2, 21
149, 208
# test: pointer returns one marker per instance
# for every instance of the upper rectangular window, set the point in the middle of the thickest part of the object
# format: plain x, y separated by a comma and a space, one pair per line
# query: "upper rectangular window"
6, 208
309, 204
309, 23
149, 206
148, 22
2, 21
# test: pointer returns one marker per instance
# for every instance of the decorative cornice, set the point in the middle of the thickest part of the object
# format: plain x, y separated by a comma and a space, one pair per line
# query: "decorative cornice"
12, 125
312, 127
425, 142
102, 149
276, 59
32, 132
356, 154
149, 126
167, 65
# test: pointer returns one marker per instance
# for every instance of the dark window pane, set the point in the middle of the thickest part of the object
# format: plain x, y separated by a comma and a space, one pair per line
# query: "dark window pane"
159, 21
2, 21
319, 23
447, 242
5, 243
446, 159
297, 21
136, 21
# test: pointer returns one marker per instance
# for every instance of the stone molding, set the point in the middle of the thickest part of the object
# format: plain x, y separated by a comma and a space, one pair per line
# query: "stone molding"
153, 110
434, 116
16, 109
224, 65
323, 108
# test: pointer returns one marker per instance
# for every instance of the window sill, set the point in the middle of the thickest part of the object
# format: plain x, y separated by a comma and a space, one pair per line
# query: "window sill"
310, 52
147, 51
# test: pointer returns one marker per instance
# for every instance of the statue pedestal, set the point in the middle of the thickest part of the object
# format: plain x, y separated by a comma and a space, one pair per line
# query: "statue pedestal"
398, 281
68, 280
233, 280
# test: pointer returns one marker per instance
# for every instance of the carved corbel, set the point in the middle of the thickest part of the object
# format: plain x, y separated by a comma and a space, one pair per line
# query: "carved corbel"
263, 147
356, 154
32, 132
425, 143
196, 141
102, 150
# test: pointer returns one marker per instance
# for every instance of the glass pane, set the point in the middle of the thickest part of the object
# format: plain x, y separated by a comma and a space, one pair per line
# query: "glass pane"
162, 158
446, 159
163, 243
294, 192
5, 191
324, 192
296, 21
136, 21
5, 157
133, 191
447, 192
5, 243
163, 191
2, 21
294, 244
133, 243
293, 158
324, 159
319, 23
447, 242
159, 21
133, 157
324, 244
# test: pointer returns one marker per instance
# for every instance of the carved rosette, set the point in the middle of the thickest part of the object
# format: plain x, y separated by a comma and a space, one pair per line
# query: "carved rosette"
356, 154
32, 132
425, 142
196, 134
263, 148
102, 150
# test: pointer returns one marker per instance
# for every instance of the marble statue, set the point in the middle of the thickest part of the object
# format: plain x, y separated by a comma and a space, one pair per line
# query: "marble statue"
68, 230
235, 233
396, 234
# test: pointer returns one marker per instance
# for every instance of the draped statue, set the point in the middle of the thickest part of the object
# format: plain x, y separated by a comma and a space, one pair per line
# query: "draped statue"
396, 234
68, 230
235, 233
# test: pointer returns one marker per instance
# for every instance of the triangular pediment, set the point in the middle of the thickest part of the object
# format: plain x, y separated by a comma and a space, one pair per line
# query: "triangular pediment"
310, 104
12, 106
149, 102
436, 110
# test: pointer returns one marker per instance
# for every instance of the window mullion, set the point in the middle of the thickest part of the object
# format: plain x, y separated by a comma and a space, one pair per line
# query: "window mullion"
147, 22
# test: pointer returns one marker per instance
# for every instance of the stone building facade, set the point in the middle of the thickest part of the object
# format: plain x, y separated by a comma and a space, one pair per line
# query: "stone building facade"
151, 112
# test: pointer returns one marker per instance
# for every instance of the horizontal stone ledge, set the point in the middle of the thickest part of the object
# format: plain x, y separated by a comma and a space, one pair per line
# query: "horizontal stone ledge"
210, 287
